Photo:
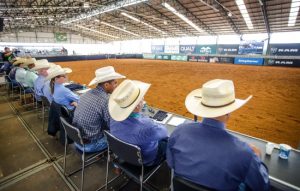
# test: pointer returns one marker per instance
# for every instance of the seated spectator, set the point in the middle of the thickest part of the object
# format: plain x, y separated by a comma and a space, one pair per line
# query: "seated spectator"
129, 125
61, 94
41, 66
21, 73
16, 63
205, 153
91, 115
30, 76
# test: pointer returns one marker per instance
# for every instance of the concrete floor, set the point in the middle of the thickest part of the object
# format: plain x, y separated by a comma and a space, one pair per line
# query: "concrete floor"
32, 160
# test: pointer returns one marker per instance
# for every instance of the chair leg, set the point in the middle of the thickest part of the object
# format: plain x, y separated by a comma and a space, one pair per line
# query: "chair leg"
43, 115
82, 172
107, 164
142, 178
65, 154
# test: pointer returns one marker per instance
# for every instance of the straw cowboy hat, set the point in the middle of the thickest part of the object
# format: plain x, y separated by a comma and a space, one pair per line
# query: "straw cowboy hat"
19, 60
125, 98
214, 99
41, 64
105, 74
56, 71
29, 61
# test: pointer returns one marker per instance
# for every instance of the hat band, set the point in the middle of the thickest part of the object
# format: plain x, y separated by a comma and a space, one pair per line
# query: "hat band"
133, 100
218, 105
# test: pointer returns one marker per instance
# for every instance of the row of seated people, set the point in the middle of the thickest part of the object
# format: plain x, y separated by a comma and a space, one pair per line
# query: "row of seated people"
204, 153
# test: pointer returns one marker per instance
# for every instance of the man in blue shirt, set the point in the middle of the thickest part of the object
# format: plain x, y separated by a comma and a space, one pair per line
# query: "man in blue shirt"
41, 67
91, 115
205, 153
127, 124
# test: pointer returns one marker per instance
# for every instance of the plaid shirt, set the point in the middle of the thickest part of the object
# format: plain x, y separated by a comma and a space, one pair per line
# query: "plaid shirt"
91, 115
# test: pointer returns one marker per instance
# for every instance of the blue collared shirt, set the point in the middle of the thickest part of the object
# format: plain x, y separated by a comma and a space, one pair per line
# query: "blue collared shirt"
64, 96
207, 154
42, 88
91, 115
141, 131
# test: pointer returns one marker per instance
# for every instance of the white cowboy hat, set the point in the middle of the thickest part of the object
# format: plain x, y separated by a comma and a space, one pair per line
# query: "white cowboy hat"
105, 74
125, 98
214, 99
56, 71
29, 61
18, 60
41, 64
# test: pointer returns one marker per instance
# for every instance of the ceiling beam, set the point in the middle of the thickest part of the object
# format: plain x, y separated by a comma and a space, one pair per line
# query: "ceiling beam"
190, 14
265, 14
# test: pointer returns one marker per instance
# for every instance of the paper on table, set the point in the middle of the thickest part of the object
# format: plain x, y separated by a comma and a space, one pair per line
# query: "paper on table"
175, 121
83, 91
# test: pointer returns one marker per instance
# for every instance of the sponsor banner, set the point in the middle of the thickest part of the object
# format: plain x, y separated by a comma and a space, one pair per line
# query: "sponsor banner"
193, 58
225, 60
285, 49
157, 49
149, 56
206, 49
198, 58
228, 49
285, 62
251, 47
61, 37
249, 61
179, 57
187, 49
162, 57
172, 49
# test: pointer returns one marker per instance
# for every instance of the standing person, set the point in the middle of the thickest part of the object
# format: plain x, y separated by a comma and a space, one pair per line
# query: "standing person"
60, 93
41, 67
129, 125
91, 115
205, 153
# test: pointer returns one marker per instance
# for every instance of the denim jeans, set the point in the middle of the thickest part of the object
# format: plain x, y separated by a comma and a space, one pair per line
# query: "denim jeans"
93, 146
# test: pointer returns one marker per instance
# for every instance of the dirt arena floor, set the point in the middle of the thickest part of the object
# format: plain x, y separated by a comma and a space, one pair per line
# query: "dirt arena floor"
273, 113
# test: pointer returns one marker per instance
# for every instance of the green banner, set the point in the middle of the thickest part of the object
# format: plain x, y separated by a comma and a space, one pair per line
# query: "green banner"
179, 57
149, 56
206, 49
61, 37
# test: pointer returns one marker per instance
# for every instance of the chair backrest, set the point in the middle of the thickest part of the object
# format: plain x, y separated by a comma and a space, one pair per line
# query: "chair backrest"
180, 184
64, 112
45, 101
125, 151
72, 132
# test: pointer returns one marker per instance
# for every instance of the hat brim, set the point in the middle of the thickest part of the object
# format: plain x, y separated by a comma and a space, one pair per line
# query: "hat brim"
120, 114
61, 72
98, 80
193, 105
40, 67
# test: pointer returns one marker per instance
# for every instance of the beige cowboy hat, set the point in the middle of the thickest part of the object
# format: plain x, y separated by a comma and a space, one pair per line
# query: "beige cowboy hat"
125, 98
41, 64
56, 71
105, 74
18, 60
29, 61
214, 99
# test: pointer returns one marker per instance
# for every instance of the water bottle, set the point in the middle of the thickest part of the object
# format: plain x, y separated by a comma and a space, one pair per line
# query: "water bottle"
84, 86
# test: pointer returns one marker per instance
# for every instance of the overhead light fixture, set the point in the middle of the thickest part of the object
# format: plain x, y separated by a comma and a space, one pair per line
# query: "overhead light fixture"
244, 12
293, 12
51, 19
185, 19
103, 9
97, 20
107, 24
92, 30
138, 20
